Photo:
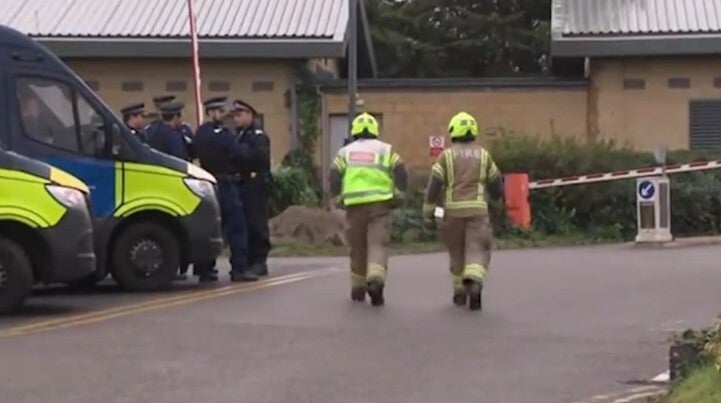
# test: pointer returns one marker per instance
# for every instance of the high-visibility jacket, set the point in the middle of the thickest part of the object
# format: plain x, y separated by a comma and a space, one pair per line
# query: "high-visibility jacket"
464, 171
366, 168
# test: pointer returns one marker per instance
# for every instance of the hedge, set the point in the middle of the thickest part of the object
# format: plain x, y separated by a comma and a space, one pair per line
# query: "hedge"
600, 210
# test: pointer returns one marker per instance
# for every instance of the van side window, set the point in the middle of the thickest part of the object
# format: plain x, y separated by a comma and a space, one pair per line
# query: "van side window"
92, 128
46, 108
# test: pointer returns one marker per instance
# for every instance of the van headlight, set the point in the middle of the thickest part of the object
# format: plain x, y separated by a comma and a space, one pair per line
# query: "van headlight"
200, 187
68, 197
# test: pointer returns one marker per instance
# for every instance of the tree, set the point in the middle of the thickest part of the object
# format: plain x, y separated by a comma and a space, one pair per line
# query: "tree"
437, 38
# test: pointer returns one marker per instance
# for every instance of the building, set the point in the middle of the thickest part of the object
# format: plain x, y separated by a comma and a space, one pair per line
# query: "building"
132, 50
654, 68
641, 72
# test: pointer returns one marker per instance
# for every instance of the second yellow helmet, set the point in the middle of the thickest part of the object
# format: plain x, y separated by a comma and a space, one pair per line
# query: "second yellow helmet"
462, 124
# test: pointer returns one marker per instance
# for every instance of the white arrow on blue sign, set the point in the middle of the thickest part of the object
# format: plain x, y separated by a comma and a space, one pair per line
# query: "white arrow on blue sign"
646, 189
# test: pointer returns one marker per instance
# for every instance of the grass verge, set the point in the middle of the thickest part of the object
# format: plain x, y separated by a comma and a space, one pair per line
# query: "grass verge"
289, 249
701, 386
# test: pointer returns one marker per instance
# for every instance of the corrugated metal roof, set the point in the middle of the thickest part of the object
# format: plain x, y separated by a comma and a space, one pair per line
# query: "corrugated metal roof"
637, 17
247, 19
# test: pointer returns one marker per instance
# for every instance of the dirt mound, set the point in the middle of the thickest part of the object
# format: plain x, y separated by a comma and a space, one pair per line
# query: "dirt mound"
309, 225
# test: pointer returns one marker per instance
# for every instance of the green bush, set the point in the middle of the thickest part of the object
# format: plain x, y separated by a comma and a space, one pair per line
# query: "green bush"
605, 210
291, 186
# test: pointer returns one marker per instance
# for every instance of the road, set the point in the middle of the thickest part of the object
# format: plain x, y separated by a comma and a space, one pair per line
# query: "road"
559, 325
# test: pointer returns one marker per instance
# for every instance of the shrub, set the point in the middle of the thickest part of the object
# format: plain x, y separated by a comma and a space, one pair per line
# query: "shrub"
604, 210
291, 187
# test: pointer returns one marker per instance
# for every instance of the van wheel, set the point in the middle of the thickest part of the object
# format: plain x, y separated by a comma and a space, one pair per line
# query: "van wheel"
16, 276
145, 257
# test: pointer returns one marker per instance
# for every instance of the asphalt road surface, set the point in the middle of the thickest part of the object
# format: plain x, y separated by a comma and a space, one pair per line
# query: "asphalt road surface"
559, 326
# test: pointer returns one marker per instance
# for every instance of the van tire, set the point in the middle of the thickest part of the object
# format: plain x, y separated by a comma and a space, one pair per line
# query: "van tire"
128, 274
16, 276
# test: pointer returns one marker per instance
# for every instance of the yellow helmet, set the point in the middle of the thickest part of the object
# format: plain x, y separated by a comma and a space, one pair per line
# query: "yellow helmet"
462, 124
365, 122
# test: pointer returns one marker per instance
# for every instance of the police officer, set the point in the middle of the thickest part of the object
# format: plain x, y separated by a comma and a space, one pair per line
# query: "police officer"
256, 189
134, 118
167, 136
468, 174
368, 178
157, 102
220, 153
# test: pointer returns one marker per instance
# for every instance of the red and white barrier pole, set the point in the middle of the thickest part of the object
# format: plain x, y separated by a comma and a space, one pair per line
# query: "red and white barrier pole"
628, 174
196, 63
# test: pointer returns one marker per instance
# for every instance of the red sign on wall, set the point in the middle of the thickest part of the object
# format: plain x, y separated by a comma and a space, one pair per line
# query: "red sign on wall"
435, 145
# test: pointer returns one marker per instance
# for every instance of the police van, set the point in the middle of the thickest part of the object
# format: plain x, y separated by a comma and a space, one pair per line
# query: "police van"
46, 233
151, 212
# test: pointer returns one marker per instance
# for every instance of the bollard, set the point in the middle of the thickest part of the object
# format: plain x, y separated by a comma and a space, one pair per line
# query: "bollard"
516, 192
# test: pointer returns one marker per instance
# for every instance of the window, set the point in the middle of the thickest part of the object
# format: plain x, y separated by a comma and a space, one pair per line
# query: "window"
46, 109
176, 86
92, 128
634, 84
679, 82
132, 86
219, 86
259, 86
705, 123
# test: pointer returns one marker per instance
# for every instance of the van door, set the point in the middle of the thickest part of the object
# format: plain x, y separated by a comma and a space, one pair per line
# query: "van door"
61, 127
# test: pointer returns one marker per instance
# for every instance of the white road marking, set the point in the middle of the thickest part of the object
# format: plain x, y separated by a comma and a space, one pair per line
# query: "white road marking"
663, 377
631, 398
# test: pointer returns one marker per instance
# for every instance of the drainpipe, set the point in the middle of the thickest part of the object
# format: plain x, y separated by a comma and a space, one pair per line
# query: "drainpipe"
294, 116
324, 148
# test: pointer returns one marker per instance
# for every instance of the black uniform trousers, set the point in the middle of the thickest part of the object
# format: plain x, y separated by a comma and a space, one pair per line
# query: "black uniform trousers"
255, 196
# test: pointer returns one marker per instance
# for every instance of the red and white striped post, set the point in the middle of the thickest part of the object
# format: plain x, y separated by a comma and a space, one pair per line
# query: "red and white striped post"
196, 63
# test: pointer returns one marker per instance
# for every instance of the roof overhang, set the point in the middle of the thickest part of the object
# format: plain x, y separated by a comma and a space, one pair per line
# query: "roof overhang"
102, 47
637, 45
459, 84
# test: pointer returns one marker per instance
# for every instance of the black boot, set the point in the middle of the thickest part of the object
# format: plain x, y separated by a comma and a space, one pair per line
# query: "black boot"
242, 276
209, 276
474, 289
358, 294
259, 269
375, 291
460, 297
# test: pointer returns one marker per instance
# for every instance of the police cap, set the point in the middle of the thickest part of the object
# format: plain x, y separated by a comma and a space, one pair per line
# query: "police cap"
171, 107
137, 108
240, 105
215, 103
163, 98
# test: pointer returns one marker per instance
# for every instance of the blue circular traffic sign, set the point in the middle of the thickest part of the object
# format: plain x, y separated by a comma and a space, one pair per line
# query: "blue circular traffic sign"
646, 189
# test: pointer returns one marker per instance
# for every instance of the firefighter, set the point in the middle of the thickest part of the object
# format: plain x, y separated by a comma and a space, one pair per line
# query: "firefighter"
368, 179
461, 180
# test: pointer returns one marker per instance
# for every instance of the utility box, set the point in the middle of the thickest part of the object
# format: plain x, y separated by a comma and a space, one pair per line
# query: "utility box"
653, 209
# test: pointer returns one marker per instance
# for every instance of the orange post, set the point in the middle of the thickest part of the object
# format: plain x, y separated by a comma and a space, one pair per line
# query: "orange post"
516, 194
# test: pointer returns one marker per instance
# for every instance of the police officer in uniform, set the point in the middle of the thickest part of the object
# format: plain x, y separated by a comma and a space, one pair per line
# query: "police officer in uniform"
157, 102
256, 190
167, 136
462, 178
134, 118
220, 153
